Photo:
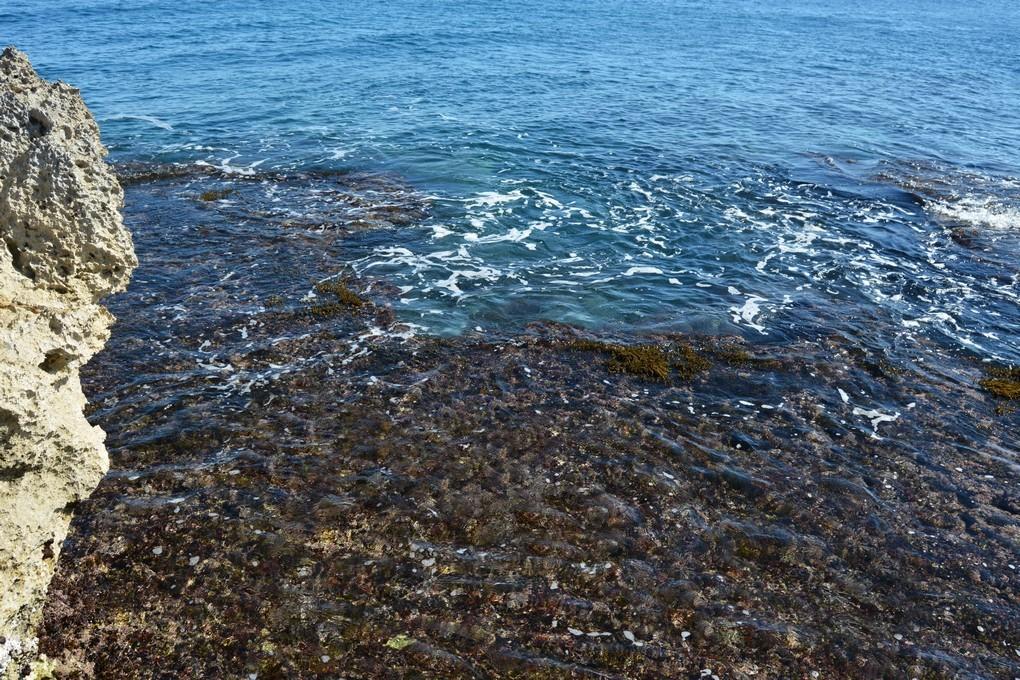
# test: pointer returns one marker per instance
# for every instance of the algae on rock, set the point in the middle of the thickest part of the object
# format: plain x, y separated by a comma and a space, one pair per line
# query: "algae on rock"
65, 248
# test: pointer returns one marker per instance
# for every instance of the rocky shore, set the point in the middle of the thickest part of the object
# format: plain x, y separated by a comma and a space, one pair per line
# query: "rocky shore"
303, 488
65, 249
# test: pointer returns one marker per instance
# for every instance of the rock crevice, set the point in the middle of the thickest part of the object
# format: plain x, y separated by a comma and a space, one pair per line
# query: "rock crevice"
65, 249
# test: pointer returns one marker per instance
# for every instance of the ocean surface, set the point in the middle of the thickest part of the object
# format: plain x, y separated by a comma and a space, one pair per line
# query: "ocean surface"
765, 168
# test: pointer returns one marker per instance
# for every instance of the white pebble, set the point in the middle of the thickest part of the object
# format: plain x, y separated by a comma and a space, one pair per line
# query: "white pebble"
193, 561
158, 550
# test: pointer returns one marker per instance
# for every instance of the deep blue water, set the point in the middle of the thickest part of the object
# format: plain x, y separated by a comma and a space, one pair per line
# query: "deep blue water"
776, 169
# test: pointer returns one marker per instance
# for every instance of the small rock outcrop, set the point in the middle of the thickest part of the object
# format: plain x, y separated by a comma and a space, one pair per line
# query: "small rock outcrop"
63, 247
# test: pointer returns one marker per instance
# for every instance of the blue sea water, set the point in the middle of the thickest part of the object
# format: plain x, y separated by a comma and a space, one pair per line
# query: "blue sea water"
770, 168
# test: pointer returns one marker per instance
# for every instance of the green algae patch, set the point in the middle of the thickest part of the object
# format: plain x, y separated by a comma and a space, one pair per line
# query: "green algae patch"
1002, 382
680, 358
643, 360
328, 310
344, 300
274, 301
215, 195
688, 362
399, 642
736, 356
648, 361
341, 292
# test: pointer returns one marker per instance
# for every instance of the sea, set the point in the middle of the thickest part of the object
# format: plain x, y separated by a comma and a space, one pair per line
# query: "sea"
758, 167
605, 339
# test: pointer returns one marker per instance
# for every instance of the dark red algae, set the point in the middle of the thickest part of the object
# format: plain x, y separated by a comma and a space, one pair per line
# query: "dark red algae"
324, 495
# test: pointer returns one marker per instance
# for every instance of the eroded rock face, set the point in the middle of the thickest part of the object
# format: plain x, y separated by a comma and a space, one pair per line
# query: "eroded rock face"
64, 248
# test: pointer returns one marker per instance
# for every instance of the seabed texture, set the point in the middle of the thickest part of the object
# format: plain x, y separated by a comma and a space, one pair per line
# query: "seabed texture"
302, 486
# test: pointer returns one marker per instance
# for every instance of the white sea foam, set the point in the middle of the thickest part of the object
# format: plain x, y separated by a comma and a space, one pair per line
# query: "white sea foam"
548, 201
439, 231
876, 417
638, 189
980, 212
227, 167
483, 273
642, 270
490, 198
152, 120
514, 234
805, 247
748, 312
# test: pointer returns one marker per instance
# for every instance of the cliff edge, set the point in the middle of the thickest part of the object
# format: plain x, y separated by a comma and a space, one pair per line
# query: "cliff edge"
64, 247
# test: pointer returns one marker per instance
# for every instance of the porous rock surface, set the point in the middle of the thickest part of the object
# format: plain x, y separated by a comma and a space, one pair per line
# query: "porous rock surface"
64, 248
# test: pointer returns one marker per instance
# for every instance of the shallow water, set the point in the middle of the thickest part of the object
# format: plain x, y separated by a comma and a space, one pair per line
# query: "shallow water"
304, 484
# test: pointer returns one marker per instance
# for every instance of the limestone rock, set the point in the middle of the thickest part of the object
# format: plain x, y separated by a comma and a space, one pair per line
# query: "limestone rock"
64, 247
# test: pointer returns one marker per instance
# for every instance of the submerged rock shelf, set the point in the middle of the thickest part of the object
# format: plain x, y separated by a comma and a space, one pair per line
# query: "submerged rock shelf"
302, 494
